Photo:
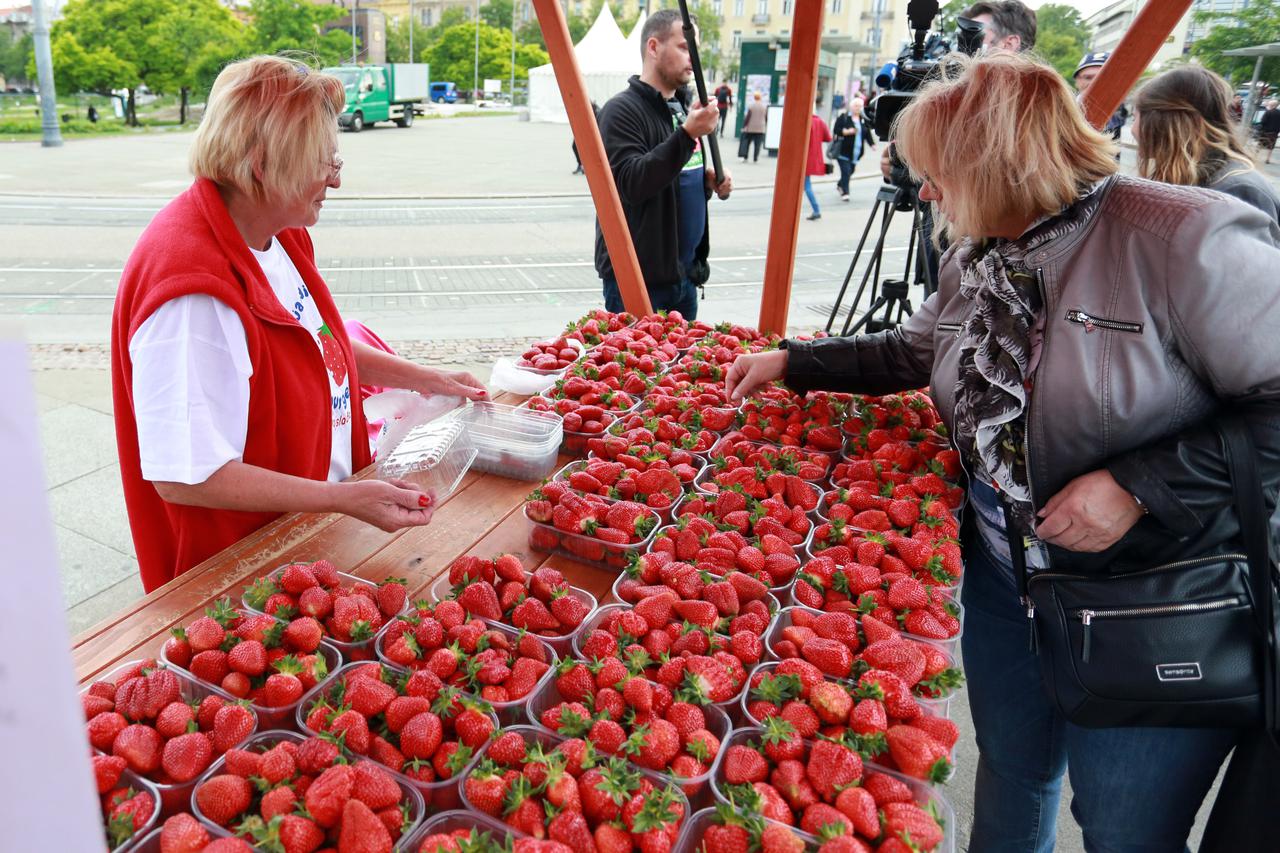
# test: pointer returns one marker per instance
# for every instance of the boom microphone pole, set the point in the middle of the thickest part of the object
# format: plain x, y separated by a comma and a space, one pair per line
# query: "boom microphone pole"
701, 84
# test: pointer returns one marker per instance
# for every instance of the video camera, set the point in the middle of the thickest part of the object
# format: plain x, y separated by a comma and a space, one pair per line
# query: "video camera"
917, 64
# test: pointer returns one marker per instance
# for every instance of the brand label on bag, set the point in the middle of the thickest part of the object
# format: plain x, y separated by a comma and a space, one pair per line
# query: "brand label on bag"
1178, 671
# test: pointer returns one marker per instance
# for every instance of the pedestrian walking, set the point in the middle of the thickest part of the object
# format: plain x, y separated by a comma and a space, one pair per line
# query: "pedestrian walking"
854, 133
753, 127
724, 102
595, 111
652, 133
1186, 136
1269, 127
819, 135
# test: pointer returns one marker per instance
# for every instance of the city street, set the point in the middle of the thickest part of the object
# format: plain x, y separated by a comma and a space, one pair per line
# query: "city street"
457, 240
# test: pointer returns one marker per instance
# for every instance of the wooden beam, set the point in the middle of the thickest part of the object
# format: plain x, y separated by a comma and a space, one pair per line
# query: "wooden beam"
1131, 57
793, 154
604, 192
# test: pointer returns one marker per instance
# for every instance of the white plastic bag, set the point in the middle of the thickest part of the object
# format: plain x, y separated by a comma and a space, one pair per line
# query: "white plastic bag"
401, 411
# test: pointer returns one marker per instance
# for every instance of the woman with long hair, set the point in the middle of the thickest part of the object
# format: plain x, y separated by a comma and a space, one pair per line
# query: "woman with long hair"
1088, 331
1186, 136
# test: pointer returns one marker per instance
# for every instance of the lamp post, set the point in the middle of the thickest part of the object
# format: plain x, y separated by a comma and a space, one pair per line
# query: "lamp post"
355, 6
475, 77
411, 59
52, 137
512, 92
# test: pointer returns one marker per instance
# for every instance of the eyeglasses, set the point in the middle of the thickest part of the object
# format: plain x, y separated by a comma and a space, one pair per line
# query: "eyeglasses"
335, 168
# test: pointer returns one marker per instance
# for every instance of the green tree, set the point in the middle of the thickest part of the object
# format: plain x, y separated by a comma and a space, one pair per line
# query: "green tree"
1061, 36
1257, 23
204, 36
398, 40
76, 69
14, 55
497, 13
452, 55
298, 25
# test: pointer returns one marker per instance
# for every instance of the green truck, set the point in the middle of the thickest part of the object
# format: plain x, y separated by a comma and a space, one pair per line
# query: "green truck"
376, 93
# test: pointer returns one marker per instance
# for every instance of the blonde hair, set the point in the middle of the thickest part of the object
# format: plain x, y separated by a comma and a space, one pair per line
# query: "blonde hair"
1005, 139
269, 129
1185, 132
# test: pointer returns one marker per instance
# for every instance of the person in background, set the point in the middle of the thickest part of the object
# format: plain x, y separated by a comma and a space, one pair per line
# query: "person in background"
819, 135
1098, 448
1186, 136
855, 135
652, 134
1008, 26
1269, 127
595, 111
232, 374
1086, 72
753, 126
724, 102
837, 104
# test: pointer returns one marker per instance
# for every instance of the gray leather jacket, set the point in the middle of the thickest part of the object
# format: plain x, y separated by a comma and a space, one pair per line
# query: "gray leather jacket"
1163, 310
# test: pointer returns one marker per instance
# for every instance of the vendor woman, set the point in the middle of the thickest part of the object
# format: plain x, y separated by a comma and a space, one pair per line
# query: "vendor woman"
233, 377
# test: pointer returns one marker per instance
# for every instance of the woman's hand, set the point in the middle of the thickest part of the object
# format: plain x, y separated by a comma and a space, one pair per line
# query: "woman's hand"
386, 504
1091, 513
751, 371
454, 384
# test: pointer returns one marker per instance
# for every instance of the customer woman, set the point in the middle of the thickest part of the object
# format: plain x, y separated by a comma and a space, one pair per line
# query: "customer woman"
1186, 135
816, 166
232, 374
856, 136
1086, 330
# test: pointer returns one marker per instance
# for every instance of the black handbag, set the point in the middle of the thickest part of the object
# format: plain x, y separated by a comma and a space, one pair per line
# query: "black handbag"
1191, 643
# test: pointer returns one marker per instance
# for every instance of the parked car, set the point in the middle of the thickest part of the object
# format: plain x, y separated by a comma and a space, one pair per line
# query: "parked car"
444, 93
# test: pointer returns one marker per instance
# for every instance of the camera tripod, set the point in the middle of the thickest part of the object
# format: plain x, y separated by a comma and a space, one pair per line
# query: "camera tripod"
890, 296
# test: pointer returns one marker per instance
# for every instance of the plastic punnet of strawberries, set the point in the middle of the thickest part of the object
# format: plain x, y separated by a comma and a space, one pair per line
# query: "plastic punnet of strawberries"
600, 529
666, 325
902, 600
736, 451
696, 405
498, 664
657, 484
142, 720
592, 327
501, 590
778, 416
710, 597
549, 355
591, 408
844, 646
823, 787
784, 516
875, 715
251, 655
904, 511
565, 792
641, 438
627, 715
288, 795
127, 809
413, 724
351, 612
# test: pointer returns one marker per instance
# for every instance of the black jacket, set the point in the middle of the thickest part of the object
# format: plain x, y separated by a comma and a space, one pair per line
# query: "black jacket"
647, 153
845, 120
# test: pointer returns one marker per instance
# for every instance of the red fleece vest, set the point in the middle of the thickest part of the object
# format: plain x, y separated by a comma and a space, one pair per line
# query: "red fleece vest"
192, 246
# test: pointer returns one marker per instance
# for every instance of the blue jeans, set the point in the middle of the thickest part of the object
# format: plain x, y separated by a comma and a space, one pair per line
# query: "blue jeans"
808, 191
1136, 789
846, 170
682, 297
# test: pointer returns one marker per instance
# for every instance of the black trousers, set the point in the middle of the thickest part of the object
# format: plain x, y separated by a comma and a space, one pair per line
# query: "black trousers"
724, 113
746, 141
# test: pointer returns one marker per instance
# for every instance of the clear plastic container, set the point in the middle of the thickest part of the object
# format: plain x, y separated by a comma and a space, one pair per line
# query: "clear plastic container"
436, 455
777, 593
575, 443
282, 717
129, 779
513, 442
690, 840
149, 843
551, 741
561, 644
585, 549
507, 712
410, 798
926, 795
362, 650
174, 796
460, 819
709, 473
722, 445
939, 707
951, 645
665, 514
437, 796
696, 788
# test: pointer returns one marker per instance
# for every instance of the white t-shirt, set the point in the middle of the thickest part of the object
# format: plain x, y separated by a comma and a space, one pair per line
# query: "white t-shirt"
191, 372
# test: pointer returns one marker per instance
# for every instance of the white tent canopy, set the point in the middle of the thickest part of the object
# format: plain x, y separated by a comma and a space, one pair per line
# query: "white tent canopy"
607, 60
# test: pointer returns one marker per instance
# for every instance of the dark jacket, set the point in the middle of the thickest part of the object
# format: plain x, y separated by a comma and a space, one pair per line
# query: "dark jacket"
1247, 184
646, 154
1148, 336
845, 120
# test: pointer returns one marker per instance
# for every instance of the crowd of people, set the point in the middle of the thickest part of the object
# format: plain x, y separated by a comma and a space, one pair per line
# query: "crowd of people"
238, 385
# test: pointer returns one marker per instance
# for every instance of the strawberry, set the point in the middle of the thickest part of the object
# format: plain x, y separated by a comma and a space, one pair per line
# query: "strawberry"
742, 764
223, 798
917, 754
568, 609
140, 746
182, 833
231, 724
187, 756
830, 656
480, 600
107, 770
904, 821
831, 766
485, 788
362, 831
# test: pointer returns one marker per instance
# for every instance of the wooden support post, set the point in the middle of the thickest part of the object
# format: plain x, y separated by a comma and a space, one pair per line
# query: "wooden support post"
604, 192
1131, 57
793, 154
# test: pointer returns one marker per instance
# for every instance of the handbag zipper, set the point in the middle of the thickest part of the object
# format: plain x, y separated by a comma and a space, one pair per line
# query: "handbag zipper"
1086, 616
1091, 323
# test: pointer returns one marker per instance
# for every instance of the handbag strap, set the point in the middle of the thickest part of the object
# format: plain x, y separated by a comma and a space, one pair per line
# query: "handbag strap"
1255, 531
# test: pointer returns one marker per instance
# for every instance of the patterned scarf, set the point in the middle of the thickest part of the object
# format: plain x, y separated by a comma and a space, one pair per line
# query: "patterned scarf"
999, 351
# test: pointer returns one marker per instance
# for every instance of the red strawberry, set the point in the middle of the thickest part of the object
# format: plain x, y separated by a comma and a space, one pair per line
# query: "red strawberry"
223, 798
187, 756
917, 754
362, 831
182, 833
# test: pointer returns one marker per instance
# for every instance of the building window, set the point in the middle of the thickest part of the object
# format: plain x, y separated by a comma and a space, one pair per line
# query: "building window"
717, 6
762, 7
836, 6
738, 7
786, 7
737, 39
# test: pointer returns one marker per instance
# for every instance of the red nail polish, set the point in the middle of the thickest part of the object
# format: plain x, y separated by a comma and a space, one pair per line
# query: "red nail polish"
424, 500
